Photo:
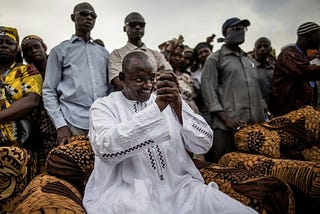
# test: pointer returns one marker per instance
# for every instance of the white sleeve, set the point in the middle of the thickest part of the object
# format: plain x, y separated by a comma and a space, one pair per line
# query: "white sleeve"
114, 140
196, 133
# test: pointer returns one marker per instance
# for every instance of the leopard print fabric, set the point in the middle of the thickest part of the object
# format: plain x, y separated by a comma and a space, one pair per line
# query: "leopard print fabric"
305, 175
257, 139
265, 194
48, 135
50, 195
72, 162
286, 136
13, 176
311, 154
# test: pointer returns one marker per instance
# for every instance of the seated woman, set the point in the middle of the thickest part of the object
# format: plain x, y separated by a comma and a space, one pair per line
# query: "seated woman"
20, 93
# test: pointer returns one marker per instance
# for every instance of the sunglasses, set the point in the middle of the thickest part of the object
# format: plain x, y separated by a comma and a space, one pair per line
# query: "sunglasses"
239, 27
86, 13
134, 24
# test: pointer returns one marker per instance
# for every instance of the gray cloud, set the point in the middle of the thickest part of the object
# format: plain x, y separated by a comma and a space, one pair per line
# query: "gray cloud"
194, 19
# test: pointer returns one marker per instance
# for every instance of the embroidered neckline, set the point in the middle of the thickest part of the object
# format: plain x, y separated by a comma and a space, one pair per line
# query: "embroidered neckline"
134, 103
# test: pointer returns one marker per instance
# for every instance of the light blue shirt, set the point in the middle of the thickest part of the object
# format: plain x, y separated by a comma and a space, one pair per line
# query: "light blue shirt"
76, 75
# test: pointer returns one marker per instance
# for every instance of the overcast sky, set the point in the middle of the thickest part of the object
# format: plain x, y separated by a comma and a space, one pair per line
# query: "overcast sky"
166, 19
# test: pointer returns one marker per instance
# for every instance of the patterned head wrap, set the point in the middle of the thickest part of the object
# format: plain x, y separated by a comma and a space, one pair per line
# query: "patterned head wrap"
169, 46
188, 49
10, 32
32, 37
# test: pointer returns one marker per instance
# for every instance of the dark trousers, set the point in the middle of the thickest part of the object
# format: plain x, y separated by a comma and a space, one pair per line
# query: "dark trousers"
223, 143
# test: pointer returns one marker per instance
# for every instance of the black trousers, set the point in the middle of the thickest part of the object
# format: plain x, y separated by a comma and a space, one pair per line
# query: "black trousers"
223, 143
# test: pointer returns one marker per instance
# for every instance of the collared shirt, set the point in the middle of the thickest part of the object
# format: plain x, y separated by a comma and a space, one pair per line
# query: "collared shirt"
76, 75
265, 73
141, 163
229, 83
291, 81
117, 55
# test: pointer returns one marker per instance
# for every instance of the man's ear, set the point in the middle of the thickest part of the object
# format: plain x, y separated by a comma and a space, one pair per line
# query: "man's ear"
121, 76
124, 29
72, 17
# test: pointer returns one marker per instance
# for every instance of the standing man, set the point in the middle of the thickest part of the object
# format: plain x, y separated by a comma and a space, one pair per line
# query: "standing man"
293, 83
265, 66
134, 25
76, 75
230, 89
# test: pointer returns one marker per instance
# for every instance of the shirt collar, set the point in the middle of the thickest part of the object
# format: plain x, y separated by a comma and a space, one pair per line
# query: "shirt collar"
77, 38
135, 103
227, 51
266, 66
133, 47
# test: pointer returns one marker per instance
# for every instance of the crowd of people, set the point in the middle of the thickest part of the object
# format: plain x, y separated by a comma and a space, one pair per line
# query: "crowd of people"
146, 111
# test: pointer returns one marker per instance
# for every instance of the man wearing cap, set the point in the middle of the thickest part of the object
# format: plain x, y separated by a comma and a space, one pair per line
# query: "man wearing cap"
293, 83
76, 75
134, 26
230, 89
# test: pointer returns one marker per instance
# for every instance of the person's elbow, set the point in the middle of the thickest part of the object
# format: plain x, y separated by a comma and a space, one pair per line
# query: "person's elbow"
32, 99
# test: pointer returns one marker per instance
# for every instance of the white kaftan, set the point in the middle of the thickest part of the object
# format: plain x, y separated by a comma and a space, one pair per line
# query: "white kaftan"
141, 164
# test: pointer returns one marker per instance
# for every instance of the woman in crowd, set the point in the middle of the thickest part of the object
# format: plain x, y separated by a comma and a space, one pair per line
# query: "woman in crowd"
20, 93
201, 51
174, 53
34, 52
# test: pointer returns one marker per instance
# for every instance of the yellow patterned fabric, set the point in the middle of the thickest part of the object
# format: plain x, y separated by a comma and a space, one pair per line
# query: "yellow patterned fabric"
304, 175
285, 136
72, 162
13, 176
265, 194
19, 80
47, 194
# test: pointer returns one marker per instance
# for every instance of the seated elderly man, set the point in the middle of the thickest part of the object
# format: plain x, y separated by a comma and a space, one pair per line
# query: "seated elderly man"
140, 140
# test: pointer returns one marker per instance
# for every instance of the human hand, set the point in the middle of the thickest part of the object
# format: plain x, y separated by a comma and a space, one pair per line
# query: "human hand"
167, 90
63, 135
234, 125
